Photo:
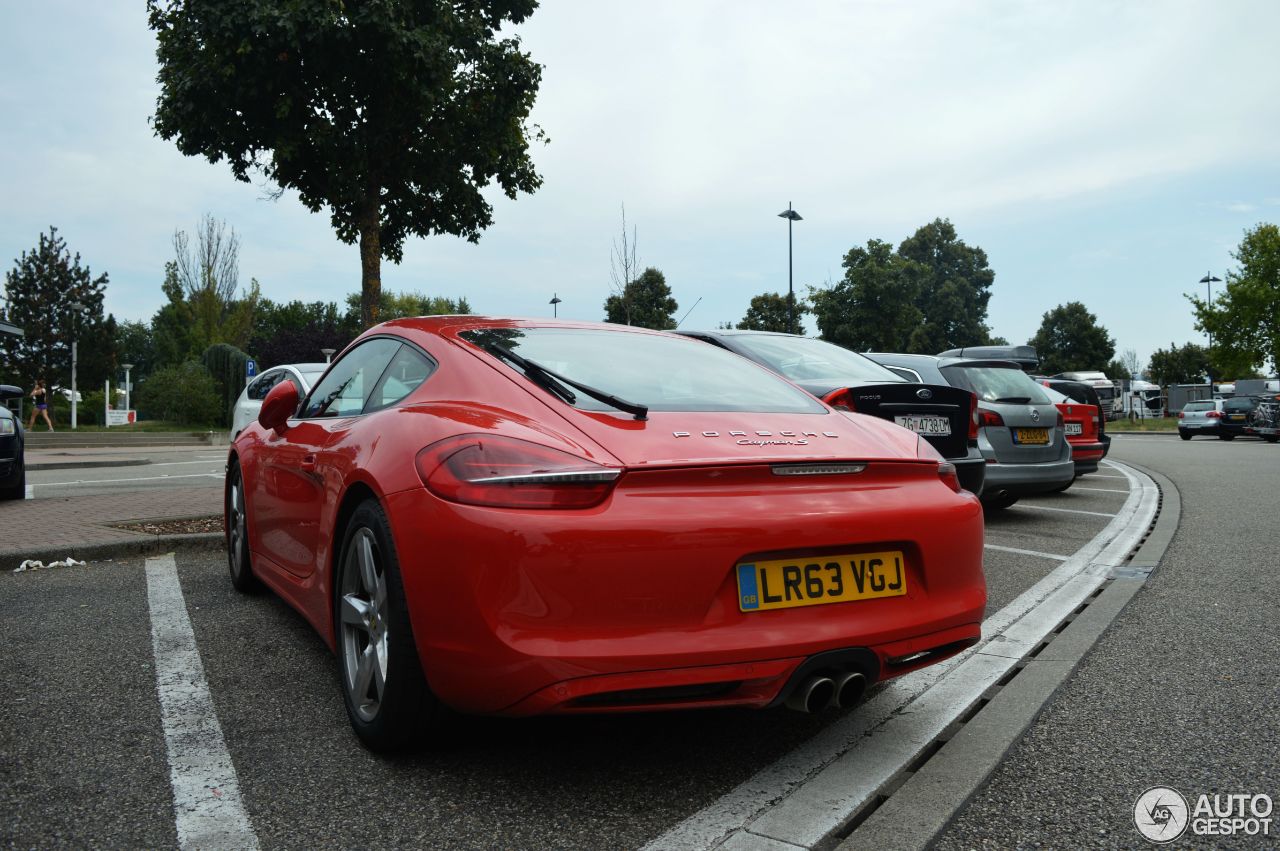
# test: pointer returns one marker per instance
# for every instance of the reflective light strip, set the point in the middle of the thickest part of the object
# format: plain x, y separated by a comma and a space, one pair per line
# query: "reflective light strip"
550, 478
816, 469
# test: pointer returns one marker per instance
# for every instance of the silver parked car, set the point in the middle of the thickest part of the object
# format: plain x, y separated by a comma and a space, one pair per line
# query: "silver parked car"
1020, 431
1200, 417
303, 376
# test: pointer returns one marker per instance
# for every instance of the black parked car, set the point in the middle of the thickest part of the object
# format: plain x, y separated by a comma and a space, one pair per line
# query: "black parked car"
1237, 416
13, 474
941, 414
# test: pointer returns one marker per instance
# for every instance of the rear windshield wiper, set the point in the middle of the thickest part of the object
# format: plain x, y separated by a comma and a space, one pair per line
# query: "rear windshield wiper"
1012, 400
555, 383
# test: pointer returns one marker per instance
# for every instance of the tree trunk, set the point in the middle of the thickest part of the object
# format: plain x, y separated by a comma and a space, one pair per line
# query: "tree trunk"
370, 263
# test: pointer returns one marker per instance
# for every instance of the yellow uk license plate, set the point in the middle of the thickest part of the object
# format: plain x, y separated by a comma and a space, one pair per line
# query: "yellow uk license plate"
787, 583
1031, 435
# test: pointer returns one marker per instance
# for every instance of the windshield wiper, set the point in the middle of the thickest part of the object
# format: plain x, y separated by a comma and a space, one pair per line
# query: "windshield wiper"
1012, 400
555, 383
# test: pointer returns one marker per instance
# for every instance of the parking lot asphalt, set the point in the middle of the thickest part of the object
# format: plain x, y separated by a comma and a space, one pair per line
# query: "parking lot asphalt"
1180, 692
84, 727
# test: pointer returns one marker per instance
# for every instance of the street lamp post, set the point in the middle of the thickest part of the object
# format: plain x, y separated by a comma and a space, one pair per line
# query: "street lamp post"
1209, 280
791, 216
77, 307
328, 354
555, 306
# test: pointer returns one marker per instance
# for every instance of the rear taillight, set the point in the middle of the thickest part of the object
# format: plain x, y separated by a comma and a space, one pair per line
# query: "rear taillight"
841, 399
1214, 415
1181, 415
509, 473
947, 472
989, 418
973, 416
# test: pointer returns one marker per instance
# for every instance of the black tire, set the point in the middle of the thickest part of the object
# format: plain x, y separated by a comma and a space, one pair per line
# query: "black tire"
1271, 438
1226, 437
401, 713
236, 521
19, 489
1184, 435
998, 503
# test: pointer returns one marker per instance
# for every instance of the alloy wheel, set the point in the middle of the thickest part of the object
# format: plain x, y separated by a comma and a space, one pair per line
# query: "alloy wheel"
363, 614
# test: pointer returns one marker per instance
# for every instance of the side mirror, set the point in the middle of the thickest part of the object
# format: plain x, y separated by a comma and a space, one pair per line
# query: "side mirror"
280, 404
8, 391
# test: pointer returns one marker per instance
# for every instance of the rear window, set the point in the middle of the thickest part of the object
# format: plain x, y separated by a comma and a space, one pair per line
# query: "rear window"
662, 373
804, 359
1199, 406
997, 384
1240, 404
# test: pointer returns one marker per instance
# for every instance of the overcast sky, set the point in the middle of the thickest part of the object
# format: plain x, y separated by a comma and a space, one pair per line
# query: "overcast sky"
1110, 153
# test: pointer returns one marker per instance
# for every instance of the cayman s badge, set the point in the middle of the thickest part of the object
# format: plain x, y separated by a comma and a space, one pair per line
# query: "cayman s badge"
924, 393
1035, 415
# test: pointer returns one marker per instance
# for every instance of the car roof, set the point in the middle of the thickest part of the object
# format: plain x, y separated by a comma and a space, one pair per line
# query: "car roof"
906, 360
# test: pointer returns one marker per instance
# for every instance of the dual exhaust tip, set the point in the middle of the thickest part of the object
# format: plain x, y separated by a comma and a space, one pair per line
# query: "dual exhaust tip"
819, 692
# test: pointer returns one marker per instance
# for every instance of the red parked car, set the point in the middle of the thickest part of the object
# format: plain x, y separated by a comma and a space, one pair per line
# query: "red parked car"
1080, 424
519, 517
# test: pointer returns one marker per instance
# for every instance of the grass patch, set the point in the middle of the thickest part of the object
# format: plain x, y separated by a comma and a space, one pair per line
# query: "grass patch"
1156, 424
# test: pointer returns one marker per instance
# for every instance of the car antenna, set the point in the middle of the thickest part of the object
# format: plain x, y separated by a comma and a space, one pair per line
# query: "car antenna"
687, 312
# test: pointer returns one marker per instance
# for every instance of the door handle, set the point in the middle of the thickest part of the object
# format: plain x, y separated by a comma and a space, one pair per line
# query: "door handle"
309, 461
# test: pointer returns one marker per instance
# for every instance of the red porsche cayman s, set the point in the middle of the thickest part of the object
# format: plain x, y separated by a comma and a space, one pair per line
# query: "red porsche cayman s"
518, 517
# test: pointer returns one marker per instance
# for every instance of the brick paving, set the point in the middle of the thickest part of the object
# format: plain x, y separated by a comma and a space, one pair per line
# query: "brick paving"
59, 526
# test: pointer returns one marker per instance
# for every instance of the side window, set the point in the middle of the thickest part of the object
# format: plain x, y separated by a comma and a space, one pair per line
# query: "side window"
259, 387
407, 370
345, 389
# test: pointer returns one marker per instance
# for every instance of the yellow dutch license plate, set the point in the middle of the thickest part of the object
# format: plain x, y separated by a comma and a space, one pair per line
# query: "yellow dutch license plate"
787, 583
1031, 435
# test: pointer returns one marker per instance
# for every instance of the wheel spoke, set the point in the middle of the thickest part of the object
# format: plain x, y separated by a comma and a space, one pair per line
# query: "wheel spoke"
364, 673
379, 666
368, 571
355, 612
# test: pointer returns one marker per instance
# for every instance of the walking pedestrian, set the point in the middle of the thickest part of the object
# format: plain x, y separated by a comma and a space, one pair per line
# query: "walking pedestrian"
40, 397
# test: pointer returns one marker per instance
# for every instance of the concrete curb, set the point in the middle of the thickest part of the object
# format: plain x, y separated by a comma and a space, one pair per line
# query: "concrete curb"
930, 797
75, 465
143, 545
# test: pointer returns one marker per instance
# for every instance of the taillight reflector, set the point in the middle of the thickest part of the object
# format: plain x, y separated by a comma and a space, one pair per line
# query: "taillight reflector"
989, 418
508, 473
840, 399
973, 416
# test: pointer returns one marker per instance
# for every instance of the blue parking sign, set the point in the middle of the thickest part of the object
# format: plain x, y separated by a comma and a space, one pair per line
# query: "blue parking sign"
250, 368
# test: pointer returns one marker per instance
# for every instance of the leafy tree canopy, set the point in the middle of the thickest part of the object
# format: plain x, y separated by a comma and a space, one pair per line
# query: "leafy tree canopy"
768, 312
1118, 370
650, 302
1186, 364
295, 332
393, 305
874, 307
393, 116
955, 288
53, 298
1245, 318
1071, 339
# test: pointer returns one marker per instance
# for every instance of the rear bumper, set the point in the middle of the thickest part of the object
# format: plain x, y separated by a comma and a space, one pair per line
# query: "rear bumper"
550, 611
972, 471
1086, 456
1025, 479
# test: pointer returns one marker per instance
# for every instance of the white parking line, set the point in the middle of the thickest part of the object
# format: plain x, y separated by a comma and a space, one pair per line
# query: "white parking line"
1026, 552
206, 794
1066, 510
1099, 490
803, 797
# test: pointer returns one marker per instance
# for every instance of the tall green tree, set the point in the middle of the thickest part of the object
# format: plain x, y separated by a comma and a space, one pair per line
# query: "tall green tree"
874, 306
768, 312
392, 115
135, 346
394, 305
1185, 364
1245, 318
1070, 339
954, 289
208, 271
54, 299
646, 302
